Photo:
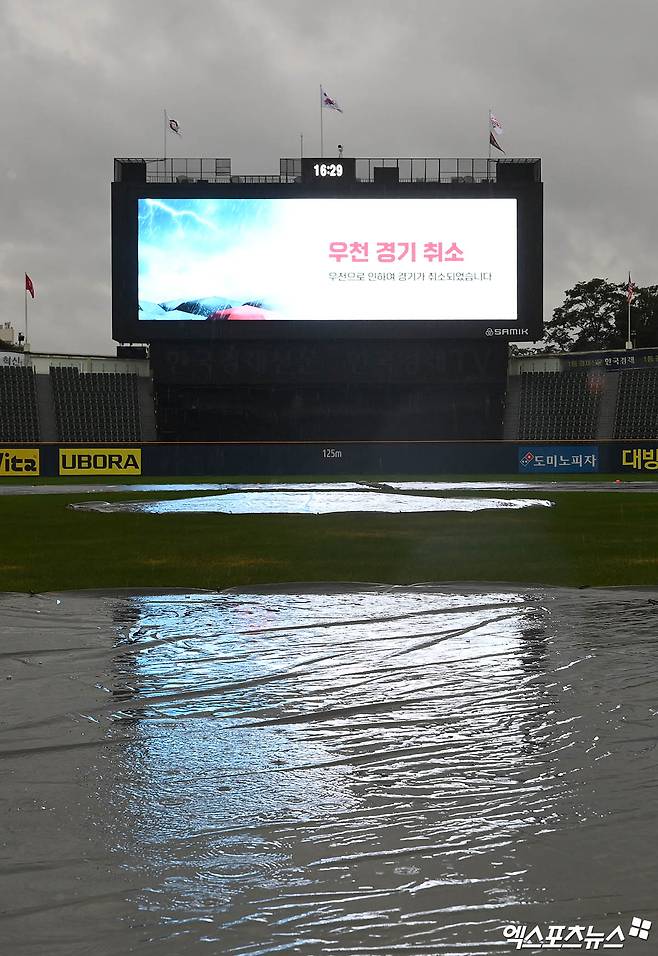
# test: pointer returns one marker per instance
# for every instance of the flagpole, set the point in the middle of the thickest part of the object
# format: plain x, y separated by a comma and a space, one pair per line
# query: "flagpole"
26, 338
164, 140
321, 130
489, 124
629, 344
301, 145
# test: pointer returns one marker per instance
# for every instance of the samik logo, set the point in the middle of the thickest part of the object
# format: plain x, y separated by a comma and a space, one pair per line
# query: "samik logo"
97, 461
517, 332
19, 461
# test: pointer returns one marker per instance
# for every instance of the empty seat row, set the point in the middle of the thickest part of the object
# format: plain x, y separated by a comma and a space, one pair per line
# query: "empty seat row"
19, 414
561, 406
636, 414
95, 406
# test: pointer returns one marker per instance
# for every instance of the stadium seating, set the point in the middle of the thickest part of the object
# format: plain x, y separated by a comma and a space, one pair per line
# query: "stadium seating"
559, 405
19, 416
95, 407
637, 404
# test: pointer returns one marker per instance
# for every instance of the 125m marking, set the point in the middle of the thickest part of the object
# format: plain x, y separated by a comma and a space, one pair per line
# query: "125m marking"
331, 453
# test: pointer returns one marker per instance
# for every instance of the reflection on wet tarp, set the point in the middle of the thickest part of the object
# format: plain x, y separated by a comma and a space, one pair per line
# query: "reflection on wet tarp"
359, 770
314, 502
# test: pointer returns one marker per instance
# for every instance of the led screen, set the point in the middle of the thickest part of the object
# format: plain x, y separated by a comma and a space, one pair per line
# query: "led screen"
208, 260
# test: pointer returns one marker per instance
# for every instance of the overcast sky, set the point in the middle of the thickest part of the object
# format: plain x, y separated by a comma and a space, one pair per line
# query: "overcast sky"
574, 82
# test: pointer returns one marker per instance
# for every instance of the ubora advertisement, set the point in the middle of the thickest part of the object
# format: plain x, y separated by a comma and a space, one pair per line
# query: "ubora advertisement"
100, 461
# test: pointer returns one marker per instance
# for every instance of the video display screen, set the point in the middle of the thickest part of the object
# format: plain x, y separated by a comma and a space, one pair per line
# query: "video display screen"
315, 259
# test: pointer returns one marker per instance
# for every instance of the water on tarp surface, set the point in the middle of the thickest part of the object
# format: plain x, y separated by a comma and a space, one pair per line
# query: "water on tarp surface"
312, 502
358, 770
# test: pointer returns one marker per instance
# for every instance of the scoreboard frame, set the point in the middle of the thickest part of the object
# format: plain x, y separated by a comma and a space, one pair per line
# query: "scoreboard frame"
128, 328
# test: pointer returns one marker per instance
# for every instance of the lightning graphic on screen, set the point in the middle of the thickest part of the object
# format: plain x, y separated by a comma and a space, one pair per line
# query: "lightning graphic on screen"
200, 253
149, 209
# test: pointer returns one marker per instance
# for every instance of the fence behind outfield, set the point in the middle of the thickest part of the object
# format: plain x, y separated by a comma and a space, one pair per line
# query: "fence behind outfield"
317, 460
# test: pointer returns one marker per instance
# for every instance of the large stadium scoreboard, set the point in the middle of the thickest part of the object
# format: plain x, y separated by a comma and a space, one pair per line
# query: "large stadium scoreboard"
328, 254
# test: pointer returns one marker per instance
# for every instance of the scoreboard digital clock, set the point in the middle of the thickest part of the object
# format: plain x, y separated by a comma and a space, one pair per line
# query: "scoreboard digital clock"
324, 170
328, 169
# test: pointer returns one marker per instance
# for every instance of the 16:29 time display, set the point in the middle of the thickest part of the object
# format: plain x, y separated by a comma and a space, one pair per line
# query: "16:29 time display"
328, 169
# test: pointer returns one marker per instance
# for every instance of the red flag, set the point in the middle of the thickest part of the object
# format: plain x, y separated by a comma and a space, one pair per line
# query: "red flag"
29, 286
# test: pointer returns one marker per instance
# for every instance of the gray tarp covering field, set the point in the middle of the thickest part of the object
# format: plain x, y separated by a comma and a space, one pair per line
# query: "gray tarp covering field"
326, 770
310, 502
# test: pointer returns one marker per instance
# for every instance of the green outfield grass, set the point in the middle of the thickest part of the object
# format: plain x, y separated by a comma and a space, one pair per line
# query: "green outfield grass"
604, 538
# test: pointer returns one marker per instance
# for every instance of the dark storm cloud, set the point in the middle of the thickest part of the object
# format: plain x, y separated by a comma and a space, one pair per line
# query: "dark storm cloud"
574, 83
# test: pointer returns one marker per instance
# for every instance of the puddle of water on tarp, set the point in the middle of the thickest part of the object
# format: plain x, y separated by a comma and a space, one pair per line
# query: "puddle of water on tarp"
357, 770
324, 502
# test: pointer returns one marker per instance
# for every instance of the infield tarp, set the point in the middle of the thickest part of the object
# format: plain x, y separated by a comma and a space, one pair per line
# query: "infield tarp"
326, 769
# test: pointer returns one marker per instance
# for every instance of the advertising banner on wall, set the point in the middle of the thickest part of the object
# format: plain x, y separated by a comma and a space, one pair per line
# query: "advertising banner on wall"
19, 461
100, 461
11, 358
639, 459
612, 361
315, 458
558, 459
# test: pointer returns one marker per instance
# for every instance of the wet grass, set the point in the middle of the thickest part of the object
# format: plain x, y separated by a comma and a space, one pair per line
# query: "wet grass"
607, 538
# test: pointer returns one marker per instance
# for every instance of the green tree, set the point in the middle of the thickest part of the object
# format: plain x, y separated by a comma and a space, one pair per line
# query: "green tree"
594, 315
587, 319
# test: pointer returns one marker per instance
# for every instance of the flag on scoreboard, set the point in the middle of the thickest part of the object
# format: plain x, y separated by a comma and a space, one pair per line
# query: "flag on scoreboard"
494, 125
329, 103
630, 290
29, 285
495, 130
493, 142
174, 127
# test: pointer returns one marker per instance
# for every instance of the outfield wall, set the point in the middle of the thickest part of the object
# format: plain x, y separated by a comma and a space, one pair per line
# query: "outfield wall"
318, 459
